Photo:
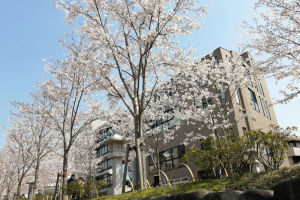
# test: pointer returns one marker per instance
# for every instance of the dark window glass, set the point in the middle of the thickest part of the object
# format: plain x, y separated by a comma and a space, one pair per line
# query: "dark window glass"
253, 100
104, 150
181, 150
104, 165
175, 162
202, 83
296, 159
292, 144
205, 102
168, 159
222, 95
267, 110
216, 60
106, 177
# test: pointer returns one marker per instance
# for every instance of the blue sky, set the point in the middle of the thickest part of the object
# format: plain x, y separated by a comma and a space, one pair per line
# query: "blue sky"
31, 29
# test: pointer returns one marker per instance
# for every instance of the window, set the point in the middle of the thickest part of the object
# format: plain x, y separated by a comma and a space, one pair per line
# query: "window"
253, 100
205, 102
237, 96
175, 162
103, 150
106, 177
251, 82
166, 123
267, 109
104, 165
222, 95
118, 148
167, 165
202, 83
168, 159
173, 122
262, 103
296, 159
228, 59
105, 134
259, 87
292, 144
175, 152
185, 179
216, 60
181, 150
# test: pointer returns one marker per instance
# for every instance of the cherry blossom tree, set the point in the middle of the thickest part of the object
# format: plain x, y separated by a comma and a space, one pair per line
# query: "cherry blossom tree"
162, 119
9, 173
84, 152
19, 149
274, 37
2, 171
209, 88
40, 135
202, 97
70, 108
134, 47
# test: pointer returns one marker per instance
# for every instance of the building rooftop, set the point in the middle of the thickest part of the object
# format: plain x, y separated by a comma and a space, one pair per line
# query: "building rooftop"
114, 138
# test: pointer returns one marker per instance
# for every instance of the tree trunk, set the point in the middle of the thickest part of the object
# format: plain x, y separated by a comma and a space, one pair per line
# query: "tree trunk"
56, 187
90, 167
144, 170
64, 174
36, 176
216, 135
19, 185
142, 148
139, 165
157, 163
139, 171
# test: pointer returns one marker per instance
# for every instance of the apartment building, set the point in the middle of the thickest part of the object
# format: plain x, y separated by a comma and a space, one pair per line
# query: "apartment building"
253, 99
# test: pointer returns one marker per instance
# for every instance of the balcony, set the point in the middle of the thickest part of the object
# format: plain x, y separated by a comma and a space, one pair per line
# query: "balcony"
293, 151
117, 154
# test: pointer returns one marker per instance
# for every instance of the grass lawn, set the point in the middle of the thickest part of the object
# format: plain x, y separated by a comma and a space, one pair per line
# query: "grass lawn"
248, 181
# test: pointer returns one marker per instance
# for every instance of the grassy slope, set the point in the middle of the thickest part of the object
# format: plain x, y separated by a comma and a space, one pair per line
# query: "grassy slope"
248, 181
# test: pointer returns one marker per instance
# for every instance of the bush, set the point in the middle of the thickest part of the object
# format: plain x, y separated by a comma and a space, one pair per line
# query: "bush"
75, 189
80, 190
92, 187
41, 196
